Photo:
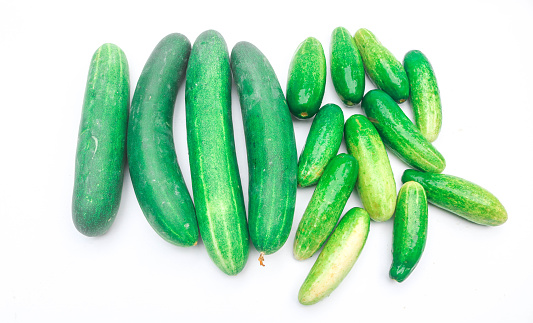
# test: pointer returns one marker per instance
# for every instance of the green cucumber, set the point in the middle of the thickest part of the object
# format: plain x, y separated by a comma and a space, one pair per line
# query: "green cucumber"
154, 170
382, 67
322, 144
101, 151
400, 134
270, 146
326, 205
216, 183
425, 97
375, 182
410, 230
307, 79
466, 199
337, 258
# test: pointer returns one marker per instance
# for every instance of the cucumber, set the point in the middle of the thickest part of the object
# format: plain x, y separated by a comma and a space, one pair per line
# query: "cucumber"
101, 151
410, 230
382, 67
375, 183
400, 134
466, 199
307, 79
154, 170
425, 97
337, 258
322, 144
326, 205
270, 146
216, 182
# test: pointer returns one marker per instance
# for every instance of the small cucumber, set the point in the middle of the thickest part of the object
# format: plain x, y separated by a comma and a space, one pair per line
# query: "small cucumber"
400, 134
326, 205
375, 182
410, 230
459, 196
307, 79
322, 144
101, 151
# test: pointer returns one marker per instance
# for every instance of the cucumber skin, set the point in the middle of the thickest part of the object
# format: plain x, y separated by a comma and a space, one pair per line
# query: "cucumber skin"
101, 150
154, 170
375, 183
459, 196
322, 144
307, 79
215, 175
326, 205
337, 258
425, 97
400, 134
271, 148
410, 230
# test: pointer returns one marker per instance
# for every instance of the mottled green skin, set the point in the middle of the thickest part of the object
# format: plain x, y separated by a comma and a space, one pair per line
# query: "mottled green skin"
347, 69
307, 79
216, 183
154, 170
410, 230
382, 67
400, 134
459, 196
322, 144
270, 146
101, 155
326, 205
425, 97
337, 258
375, 183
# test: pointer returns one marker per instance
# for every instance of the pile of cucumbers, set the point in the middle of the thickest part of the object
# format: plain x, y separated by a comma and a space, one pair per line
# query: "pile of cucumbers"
112, 132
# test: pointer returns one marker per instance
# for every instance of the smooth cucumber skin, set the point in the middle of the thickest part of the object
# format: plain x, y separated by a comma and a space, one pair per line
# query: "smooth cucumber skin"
375, 183
216, 182
326, 205
337, 258
382, 67
154, 170
307, 79
466, 199
347, 69
425, 96
410, 230
400, 134
270, 146
101, 151
322, 144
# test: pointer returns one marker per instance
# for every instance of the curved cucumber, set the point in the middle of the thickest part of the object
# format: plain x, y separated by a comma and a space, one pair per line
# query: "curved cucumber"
322, 144
154, 170
100, 156
459, 196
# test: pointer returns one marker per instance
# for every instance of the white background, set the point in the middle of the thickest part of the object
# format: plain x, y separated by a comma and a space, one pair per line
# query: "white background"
481, 52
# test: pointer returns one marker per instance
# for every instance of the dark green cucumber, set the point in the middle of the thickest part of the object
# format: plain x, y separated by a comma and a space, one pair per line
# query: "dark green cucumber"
154, 170
216, 183
307, 79
382, 67
400, 134
425, 97
101, 152
459, 196
347, 69
410, 230
322, 144
270, 146
326, 205
375, 182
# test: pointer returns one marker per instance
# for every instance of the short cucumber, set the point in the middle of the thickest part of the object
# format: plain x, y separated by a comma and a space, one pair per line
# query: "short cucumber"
101, 152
